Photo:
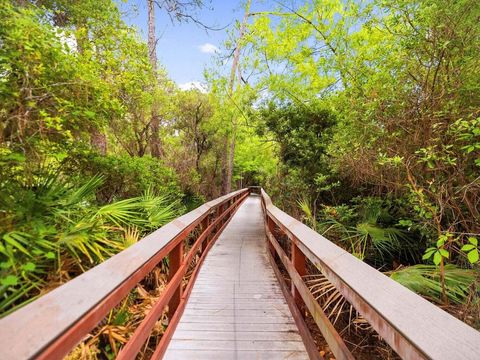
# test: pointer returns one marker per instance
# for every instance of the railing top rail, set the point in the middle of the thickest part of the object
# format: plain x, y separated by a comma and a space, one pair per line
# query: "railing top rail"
24, 333
414, 327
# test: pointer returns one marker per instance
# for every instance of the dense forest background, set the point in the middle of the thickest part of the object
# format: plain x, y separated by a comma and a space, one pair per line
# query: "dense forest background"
360, 118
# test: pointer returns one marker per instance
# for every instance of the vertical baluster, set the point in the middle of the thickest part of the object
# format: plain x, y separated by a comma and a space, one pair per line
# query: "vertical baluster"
271, 227
204, 226
298, 260
175, 259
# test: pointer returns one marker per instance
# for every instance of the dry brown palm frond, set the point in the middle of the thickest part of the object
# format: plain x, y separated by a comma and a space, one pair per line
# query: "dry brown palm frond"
333, 304
116, 329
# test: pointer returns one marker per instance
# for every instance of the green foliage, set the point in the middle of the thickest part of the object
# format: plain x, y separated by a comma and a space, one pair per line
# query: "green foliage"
472, 250
302, 132
127, 176
308, 213
46, 90
394, 85
56, 221
425, 280
369, 231
439, 252
255, 160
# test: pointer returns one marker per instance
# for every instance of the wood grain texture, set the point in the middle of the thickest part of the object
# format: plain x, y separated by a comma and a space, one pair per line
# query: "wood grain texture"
414, 327
236, 309
65, 315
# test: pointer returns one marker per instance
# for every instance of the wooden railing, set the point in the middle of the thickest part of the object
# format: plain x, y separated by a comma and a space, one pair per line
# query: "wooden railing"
51, 326
412, 326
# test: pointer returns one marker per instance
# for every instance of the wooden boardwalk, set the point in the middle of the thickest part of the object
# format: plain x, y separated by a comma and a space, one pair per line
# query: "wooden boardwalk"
236, 309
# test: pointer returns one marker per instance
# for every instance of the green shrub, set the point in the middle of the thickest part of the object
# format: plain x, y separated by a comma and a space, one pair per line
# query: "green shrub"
127, 176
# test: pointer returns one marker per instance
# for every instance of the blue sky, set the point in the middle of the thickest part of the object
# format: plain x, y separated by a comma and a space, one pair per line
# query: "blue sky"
185, 49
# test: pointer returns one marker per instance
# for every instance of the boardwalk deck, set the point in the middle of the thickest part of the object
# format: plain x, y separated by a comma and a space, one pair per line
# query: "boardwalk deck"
236, 309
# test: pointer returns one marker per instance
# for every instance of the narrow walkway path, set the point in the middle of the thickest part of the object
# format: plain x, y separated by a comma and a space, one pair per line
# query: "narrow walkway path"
236, 309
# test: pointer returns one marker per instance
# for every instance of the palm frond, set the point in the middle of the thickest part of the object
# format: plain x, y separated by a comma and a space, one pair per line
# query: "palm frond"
385, 240
333, 226
123, 212
159, 209
131, 236
308, 214
78, 195
425, 281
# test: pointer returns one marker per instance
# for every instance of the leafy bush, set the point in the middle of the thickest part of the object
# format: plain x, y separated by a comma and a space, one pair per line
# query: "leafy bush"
370, 229
53, 228
127, 176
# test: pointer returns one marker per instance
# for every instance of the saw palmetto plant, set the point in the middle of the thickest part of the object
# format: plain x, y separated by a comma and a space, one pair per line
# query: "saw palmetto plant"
425, 280
54, 226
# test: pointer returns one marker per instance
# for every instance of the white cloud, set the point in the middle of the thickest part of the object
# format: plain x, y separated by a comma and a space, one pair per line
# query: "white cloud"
193, 85
208, 48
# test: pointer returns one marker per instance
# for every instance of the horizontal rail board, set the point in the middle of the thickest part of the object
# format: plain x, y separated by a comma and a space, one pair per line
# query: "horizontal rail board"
412, 326
330, 334
64, 314
142, 332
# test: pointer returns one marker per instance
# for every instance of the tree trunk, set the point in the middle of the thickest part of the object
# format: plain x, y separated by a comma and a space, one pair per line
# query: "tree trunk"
229, 156
98, 140
225, 162
152, 41
155, 146
231, 159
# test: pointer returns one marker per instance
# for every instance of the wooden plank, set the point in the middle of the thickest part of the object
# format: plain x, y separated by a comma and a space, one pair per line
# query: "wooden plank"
237, 335
175, 259
255, 312
249, 319
299, 263
338, 347
236, 308
291, 327
236, 344
238, 355
303, 330
239, 306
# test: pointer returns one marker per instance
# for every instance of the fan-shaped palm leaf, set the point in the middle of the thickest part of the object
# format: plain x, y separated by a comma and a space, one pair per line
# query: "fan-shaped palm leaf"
77, 195
425, 280
123, 212
160, 209
304, 205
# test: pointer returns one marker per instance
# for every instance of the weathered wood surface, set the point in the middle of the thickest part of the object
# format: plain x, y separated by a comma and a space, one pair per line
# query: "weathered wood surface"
237, 309
70, 311
412, 326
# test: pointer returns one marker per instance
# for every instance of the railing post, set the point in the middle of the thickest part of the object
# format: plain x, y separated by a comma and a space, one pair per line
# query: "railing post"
175, 259
204, 226
298, 260
271, 227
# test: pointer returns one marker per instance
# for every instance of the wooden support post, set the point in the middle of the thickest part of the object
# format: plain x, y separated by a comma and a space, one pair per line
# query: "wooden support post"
217, 215
175, 259
204, 226
271, 227
298, 261
225, 207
